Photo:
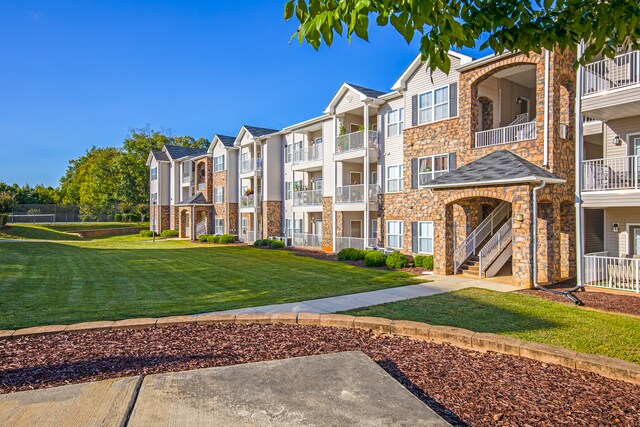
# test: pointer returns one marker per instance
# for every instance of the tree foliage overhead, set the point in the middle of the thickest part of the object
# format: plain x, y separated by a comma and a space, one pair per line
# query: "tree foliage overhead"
505, 25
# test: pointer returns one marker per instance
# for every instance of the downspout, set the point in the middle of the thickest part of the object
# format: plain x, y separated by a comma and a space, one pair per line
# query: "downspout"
579, 155
534, 251
546, 110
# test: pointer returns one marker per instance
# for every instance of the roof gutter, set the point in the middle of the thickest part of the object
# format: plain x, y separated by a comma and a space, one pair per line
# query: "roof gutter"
500, 181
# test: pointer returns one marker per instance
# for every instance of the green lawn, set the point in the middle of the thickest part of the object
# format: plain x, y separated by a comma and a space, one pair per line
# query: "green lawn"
59, 231
522, 316
129, 276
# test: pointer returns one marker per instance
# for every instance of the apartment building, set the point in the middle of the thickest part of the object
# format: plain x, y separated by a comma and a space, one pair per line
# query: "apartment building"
608, 167
475, 167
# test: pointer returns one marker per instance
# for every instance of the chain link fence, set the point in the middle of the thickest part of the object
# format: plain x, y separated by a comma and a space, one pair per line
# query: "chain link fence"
38, 213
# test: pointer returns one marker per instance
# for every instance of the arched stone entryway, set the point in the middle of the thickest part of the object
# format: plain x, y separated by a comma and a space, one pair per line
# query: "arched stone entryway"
185, 223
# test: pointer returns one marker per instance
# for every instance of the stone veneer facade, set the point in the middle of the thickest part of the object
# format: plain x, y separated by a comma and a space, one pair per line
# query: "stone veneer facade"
162, 214
460, 205
327, 224
271, 218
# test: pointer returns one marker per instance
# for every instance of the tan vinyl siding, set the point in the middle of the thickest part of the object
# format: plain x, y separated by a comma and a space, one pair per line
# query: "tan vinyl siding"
617, 244
392, 152
490, 88
623, 128
327, 163
344, 105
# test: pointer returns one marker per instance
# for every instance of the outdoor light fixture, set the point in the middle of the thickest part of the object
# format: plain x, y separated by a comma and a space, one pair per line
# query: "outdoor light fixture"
438, 217
519, 217
617, 140
616, 227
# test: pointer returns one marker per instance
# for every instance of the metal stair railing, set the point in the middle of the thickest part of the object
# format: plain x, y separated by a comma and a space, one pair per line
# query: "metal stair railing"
494, 246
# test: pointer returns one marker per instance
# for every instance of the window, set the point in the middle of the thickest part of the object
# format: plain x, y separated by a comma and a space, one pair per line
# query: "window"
287, 154
288, 190
218, 226
434, 105
374, 178
317, 184
218, 163
431, 167
373, 233
394, 178
154, 174
356, 178
318, 141
425, 237
395, 122
394, 234
154, 198
292, 226
218, 195
636, 241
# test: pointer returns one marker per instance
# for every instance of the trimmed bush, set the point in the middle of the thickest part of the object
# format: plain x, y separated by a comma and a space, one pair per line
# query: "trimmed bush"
261, 243
424, 261
397, 260
349, 254
375, 259
146, 233
212, 238
204, 238
276, 244
133, 217
169, 233
225, 239
117, 217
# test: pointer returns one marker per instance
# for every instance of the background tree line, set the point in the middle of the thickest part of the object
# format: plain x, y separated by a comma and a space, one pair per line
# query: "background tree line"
104, 177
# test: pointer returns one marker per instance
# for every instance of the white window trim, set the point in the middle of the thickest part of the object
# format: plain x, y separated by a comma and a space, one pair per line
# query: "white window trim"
631, 143
154, 174
399, 122
355, 172
288, 190
425, 238
351, 228
315, 141
218, 226
219, 190
628, 239
399, 179
401, 235
433, 171
215, 169
433, 105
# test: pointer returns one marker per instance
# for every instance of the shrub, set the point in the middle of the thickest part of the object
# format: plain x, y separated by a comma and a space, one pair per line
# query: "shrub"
397, 260
146, 233
169, 233
204, 238
133, 217
212, 238
348, 254
117, 217
424, 261
375, 259
225, 239
261, 243
276, 244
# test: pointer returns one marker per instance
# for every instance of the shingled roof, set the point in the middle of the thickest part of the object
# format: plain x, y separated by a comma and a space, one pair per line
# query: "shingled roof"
160, 155
372, 93
499, 167
227, 141
257, 131
178, 152
196, 199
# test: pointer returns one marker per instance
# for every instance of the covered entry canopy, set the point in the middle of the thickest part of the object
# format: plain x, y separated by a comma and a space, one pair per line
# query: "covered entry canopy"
499, 167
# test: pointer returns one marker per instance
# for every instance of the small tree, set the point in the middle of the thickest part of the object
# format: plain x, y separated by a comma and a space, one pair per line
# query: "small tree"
7, 203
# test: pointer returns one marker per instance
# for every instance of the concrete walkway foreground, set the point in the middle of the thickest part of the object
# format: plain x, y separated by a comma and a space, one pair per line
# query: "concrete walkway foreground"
327, 390
438, 285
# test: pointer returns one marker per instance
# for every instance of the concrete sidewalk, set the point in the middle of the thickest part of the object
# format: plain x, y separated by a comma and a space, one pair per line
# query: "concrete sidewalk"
327, 390
439, 285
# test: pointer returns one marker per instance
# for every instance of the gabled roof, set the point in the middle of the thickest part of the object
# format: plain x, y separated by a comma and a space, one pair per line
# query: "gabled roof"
499, 167
196, 199
226, 141
365, 93
159, 155
176, 152
258, 131
400, 84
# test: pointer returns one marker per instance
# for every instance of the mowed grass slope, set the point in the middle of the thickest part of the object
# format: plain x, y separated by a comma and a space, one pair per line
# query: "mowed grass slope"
522, 316
60, 231
123, 277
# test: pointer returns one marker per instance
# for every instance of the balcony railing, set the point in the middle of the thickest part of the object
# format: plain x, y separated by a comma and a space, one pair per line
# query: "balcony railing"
186, 179
354, 242
307, 198
250, 165
355, 141
612, 73
307, 240
506, 135
613, 173
249, 201
201, 186
306, 155
355, 193
247, 236
612, 272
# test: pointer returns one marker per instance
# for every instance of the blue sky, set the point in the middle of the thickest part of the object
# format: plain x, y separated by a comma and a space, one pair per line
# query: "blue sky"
79, 73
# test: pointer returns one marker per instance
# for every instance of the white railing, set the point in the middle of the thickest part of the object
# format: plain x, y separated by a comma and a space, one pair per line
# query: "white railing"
355, 141
186, 179
506, 135
250, 165
249, 201
612, 272
612, 73
307, 240
349, 242
307, 198
248, 236
520, 118
494, 246
201, 186
309, 154
201, 228
476, 237
613, 173
355, 193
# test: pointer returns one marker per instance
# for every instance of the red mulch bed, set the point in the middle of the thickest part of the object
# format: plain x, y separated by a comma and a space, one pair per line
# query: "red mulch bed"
616, 303
465, 387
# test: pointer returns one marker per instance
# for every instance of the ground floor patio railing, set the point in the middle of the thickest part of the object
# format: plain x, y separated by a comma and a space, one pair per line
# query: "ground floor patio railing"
307, 240
618, 273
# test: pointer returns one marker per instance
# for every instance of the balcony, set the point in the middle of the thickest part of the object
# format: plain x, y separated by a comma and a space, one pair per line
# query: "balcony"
515, 132
351, 194
355, 243
307, 155
611, 87
307, 198
249, 201
353, 144
602, 271
186, 180
613, 173
307, 240
250, 165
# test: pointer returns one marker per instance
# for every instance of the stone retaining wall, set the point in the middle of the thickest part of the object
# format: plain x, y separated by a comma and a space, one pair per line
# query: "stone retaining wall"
464, 338
106, 232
